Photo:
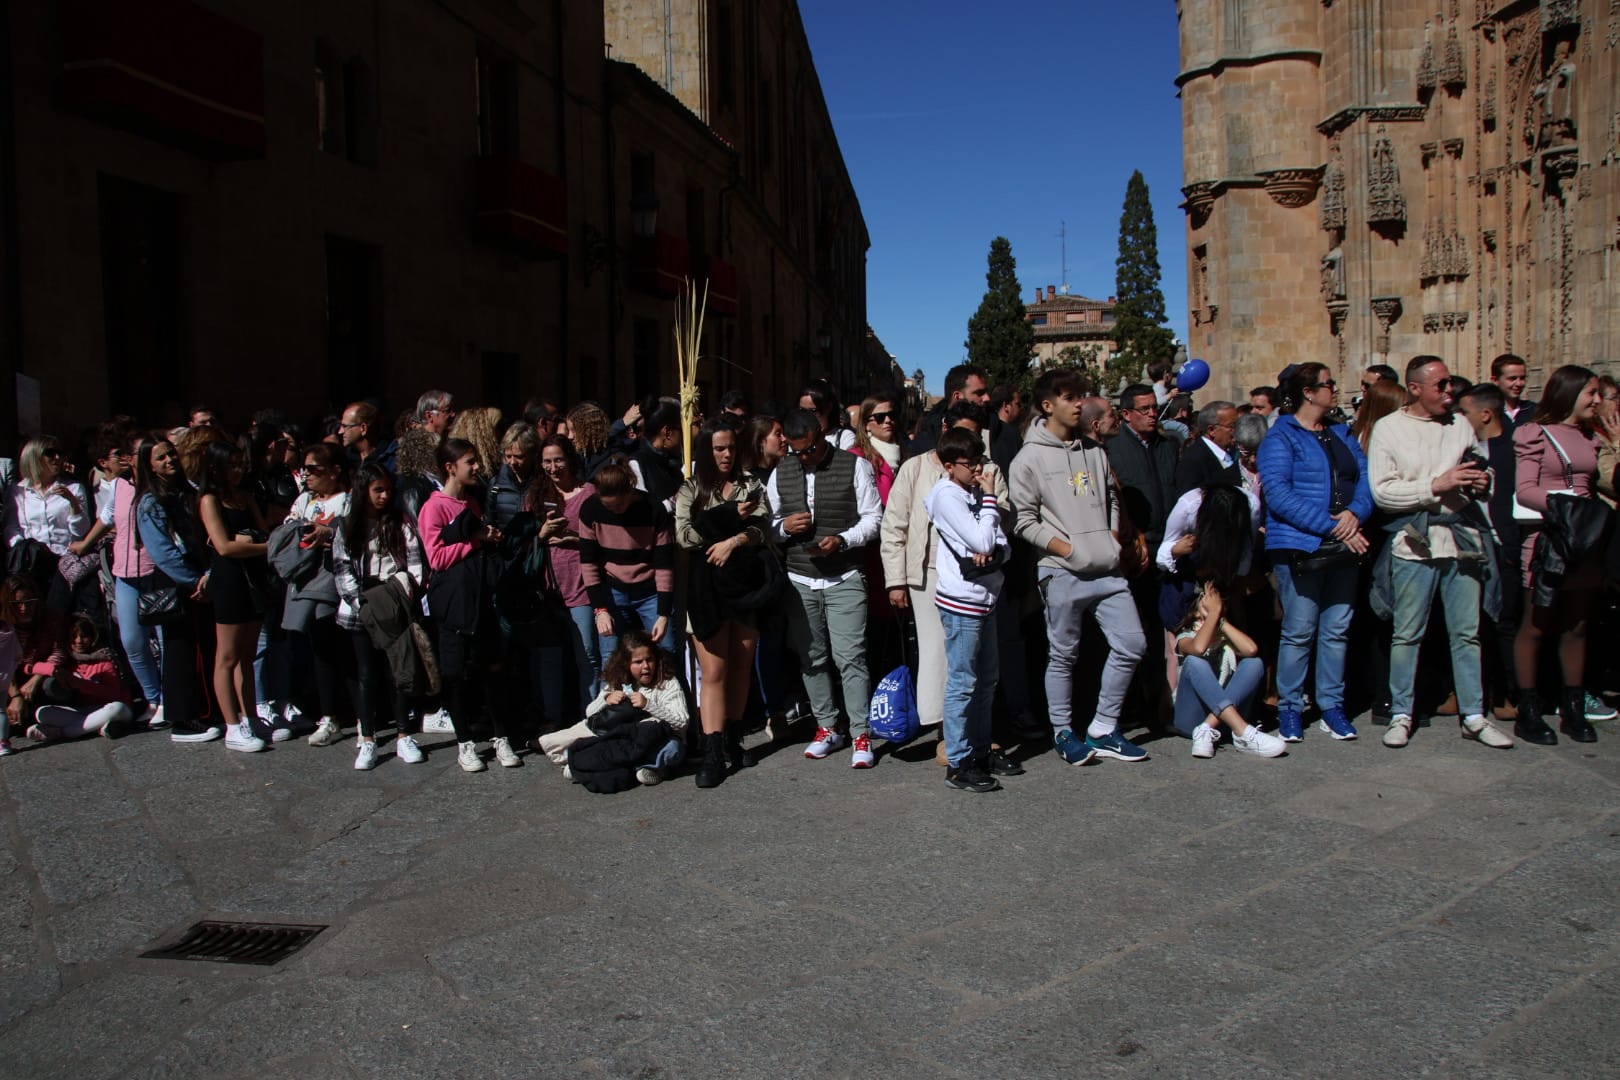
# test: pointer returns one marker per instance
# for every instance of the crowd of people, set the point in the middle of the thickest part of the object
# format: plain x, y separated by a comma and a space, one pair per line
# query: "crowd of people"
1057, 566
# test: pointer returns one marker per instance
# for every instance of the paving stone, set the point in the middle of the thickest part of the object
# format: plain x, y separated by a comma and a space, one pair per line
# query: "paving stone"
77, 860
119, 925
1575, 1025
1417, 996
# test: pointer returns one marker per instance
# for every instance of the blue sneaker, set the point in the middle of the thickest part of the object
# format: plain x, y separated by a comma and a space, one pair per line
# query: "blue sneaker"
1336, 724
1290, 726
1116, 746
1598, 709
1073, 749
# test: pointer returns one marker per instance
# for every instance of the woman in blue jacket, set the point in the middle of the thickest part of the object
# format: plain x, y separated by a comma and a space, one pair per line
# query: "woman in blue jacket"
165, 518
1314, 476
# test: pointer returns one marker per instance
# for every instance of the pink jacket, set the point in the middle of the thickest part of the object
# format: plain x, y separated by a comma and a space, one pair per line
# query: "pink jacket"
93, 678
439, 511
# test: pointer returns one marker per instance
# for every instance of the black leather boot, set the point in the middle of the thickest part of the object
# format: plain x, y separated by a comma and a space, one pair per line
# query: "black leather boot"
1572, 719
712, 769
1530, 726
739, 757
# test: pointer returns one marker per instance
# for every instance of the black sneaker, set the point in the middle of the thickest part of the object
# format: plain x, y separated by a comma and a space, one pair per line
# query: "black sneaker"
970, 776
999, 764
190, 731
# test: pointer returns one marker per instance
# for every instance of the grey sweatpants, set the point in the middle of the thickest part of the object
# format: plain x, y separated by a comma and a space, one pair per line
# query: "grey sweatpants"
1068, 598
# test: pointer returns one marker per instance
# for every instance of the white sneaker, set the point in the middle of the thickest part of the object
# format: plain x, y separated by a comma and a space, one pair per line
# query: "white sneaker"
157, 721
504, 752
568, 774
406, 750
646, 776
1259, 743
239, 736
1204, 739
826, 741
438, 723
1481, 730
326, 733
1399, 732
469, 759
366, 758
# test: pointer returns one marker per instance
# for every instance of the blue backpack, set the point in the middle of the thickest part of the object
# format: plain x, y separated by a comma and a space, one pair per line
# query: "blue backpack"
893, 715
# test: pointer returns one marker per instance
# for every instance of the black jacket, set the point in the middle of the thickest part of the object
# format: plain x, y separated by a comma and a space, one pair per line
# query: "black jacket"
661, 475
1147, 476
503, 497
1199, 468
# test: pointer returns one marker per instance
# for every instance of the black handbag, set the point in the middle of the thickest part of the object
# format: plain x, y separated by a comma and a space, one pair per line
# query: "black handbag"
161, 601
970, 568
1330, 556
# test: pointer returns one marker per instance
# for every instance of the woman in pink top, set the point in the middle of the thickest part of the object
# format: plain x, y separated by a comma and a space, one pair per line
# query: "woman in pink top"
131, 566
1557, 452
558, 493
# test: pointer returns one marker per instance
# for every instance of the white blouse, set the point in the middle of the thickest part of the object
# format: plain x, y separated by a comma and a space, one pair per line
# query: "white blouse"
50, 517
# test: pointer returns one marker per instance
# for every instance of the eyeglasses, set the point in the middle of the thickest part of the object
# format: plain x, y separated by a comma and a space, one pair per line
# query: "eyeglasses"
883, 418
970, 463
1325, 384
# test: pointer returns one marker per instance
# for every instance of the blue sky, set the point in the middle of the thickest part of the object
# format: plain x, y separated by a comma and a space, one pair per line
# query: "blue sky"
962, 120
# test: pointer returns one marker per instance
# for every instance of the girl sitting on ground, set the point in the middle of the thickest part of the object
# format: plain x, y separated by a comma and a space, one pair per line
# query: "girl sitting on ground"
96, 699
638, 686
1221, 671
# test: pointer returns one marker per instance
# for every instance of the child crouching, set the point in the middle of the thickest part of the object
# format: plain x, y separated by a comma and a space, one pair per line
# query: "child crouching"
632, 731
88, 679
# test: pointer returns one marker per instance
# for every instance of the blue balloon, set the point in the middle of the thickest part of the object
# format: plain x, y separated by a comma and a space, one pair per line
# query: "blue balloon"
1193, 374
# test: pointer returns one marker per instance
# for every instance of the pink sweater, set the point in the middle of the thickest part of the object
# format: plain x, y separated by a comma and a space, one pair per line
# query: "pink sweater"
439, 511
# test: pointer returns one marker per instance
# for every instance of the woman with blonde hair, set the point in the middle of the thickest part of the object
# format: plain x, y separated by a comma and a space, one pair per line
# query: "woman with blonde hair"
48, 507
481, 426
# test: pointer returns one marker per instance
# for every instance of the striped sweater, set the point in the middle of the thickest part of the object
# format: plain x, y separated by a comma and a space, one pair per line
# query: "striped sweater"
969, 523
627, 550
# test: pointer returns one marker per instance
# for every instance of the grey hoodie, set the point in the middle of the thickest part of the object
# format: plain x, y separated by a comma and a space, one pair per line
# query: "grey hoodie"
1066, 489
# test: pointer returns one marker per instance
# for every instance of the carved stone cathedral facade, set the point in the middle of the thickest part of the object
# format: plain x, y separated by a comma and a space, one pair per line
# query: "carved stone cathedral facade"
1367, 180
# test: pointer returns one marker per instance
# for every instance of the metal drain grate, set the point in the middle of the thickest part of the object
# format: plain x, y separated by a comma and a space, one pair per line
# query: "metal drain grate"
238, 943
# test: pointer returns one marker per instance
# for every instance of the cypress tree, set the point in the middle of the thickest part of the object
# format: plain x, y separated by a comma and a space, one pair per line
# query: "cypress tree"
1139, 315
1000, 340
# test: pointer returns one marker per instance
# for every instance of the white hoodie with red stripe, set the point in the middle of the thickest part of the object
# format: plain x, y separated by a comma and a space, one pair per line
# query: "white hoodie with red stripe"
969, 523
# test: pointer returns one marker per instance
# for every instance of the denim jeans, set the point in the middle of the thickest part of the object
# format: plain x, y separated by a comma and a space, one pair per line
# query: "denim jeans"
137, 641
1200, 692
632, 609
1415, 585
1315, 605
972, 669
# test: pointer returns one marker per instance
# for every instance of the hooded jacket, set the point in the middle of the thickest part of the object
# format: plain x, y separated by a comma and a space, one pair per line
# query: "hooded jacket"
1066, 490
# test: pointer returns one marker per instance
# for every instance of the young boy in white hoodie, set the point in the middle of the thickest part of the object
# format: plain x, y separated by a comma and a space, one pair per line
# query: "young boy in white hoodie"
972, 550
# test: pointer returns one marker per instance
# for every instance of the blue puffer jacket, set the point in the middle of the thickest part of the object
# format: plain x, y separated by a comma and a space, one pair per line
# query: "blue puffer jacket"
1296, 480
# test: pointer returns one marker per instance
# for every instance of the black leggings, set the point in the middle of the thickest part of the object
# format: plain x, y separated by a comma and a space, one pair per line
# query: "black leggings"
326, 646
187, 669
474, 681
371, 669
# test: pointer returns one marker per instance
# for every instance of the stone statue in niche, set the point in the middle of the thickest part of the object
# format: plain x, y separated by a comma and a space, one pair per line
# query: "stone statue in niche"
1555, 98
1333, 275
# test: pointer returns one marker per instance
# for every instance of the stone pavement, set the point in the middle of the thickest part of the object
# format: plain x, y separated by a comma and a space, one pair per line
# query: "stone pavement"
1344, 911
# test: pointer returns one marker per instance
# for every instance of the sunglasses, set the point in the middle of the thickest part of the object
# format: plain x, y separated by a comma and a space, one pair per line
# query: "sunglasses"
883, 418
1325, 384
53, 452
806, 452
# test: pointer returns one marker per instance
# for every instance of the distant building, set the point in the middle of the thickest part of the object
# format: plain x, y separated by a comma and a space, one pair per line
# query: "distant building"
302, 203
1369, 181
1063, 321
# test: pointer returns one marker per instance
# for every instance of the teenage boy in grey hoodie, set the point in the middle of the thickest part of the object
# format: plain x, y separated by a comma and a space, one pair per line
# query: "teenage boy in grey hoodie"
1068, 510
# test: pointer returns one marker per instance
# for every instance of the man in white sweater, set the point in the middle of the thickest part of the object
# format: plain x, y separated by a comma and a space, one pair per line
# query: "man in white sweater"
1421, 461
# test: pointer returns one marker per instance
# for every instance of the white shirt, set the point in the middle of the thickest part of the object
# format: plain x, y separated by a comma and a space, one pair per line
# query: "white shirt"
1183, 521
863, 532
49, 517
1222, 456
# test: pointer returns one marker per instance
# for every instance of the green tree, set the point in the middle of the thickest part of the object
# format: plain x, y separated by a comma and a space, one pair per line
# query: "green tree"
1139, 317
1000, 340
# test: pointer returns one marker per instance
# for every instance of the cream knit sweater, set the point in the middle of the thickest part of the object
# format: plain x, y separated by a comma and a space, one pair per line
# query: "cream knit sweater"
1404, 456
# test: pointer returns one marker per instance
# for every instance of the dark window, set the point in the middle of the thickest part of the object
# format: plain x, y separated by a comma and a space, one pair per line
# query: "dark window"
643, 175
725, 59
140, 297
501, 380
767, 124
697, 234
360, 112
649, 336
495, 84
1037, 320
354, 364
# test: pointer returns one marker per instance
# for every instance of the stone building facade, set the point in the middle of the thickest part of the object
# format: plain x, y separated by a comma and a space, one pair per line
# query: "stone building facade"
305, 202
1064, 321
1367, 180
